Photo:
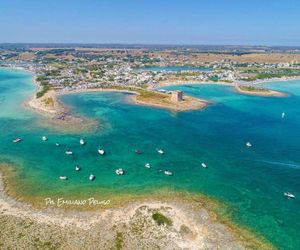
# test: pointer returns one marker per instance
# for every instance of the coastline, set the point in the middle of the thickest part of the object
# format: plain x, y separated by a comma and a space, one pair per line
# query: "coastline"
189, 103
53, 113
195, 220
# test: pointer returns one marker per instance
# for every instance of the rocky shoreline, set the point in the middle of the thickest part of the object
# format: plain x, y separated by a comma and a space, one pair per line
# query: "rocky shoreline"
187, 224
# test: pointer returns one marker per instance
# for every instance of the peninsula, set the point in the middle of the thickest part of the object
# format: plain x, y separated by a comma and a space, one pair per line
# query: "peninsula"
258, 91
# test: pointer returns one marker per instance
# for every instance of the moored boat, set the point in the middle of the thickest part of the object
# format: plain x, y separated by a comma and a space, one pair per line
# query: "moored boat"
101, 151
282, 115
81, 141
92, 177
69, 152
248, 144
63, 177
57, 144
160, 151
17, 140
203, 165
289, 195
138, 151
120, 171
77, 168
44, 138
166, 172
147, 165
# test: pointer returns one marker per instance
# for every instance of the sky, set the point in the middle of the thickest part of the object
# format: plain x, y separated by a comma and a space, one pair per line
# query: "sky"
202, 22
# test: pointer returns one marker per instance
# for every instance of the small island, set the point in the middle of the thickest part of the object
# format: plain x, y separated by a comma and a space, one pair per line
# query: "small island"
172, 100
257, 91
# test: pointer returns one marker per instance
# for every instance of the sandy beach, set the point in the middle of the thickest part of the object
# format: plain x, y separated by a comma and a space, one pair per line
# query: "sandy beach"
56, 115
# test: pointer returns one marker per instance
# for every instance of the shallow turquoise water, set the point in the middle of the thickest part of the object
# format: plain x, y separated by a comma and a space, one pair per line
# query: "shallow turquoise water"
251, 180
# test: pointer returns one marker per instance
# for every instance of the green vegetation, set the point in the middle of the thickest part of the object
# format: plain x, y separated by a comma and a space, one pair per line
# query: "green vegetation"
150, 94
160, 219
254, 73
119, 241
52, 73
45, 87
49, 102
252, 88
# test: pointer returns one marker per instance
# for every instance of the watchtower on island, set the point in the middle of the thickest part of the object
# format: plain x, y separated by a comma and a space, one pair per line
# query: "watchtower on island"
177, 96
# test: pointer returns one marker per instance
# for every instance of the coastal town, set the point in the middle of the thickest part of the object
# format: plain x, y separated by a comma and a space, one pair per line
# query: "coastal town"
78, 67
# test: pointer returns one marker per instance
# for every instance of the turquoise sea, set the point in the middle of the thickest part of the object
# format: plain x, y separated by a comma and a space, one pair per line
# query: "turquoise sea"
251, 180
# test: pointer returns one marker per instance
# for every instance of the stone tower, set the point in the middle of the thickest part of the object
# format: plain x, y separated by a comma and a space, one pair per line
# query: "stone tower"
177, 96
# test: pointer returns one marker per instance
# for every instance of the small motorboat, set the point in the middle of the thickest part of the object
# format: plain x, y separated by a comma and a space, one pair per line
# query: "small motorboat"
44, 138
101, 151
82, 142
17, 140
160, 151
69, 152
203, 165
147, 165
77, 168
282, 115
92, 177
166, 172
289, 195
63, 178
248, 144
57, 144
120, 171
138, 151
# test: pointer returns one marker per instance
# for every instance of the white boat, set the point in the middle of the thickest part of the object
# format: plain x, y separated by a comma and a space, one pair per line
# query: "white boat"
147, 165
282, 115
17, 140
101, 151
82, 142
203, 165
160, 151
63, 177
166, 172
69, 152
57, 144
77, 168
248, 144
44, 138
120, 171
92, 177
289, 195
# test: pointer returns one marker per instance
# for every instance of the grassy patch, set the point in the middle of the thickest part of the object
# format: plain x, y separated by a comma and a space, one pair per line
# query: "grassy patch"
119, 241
49, 101
45, 87
252, 88
160, 219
